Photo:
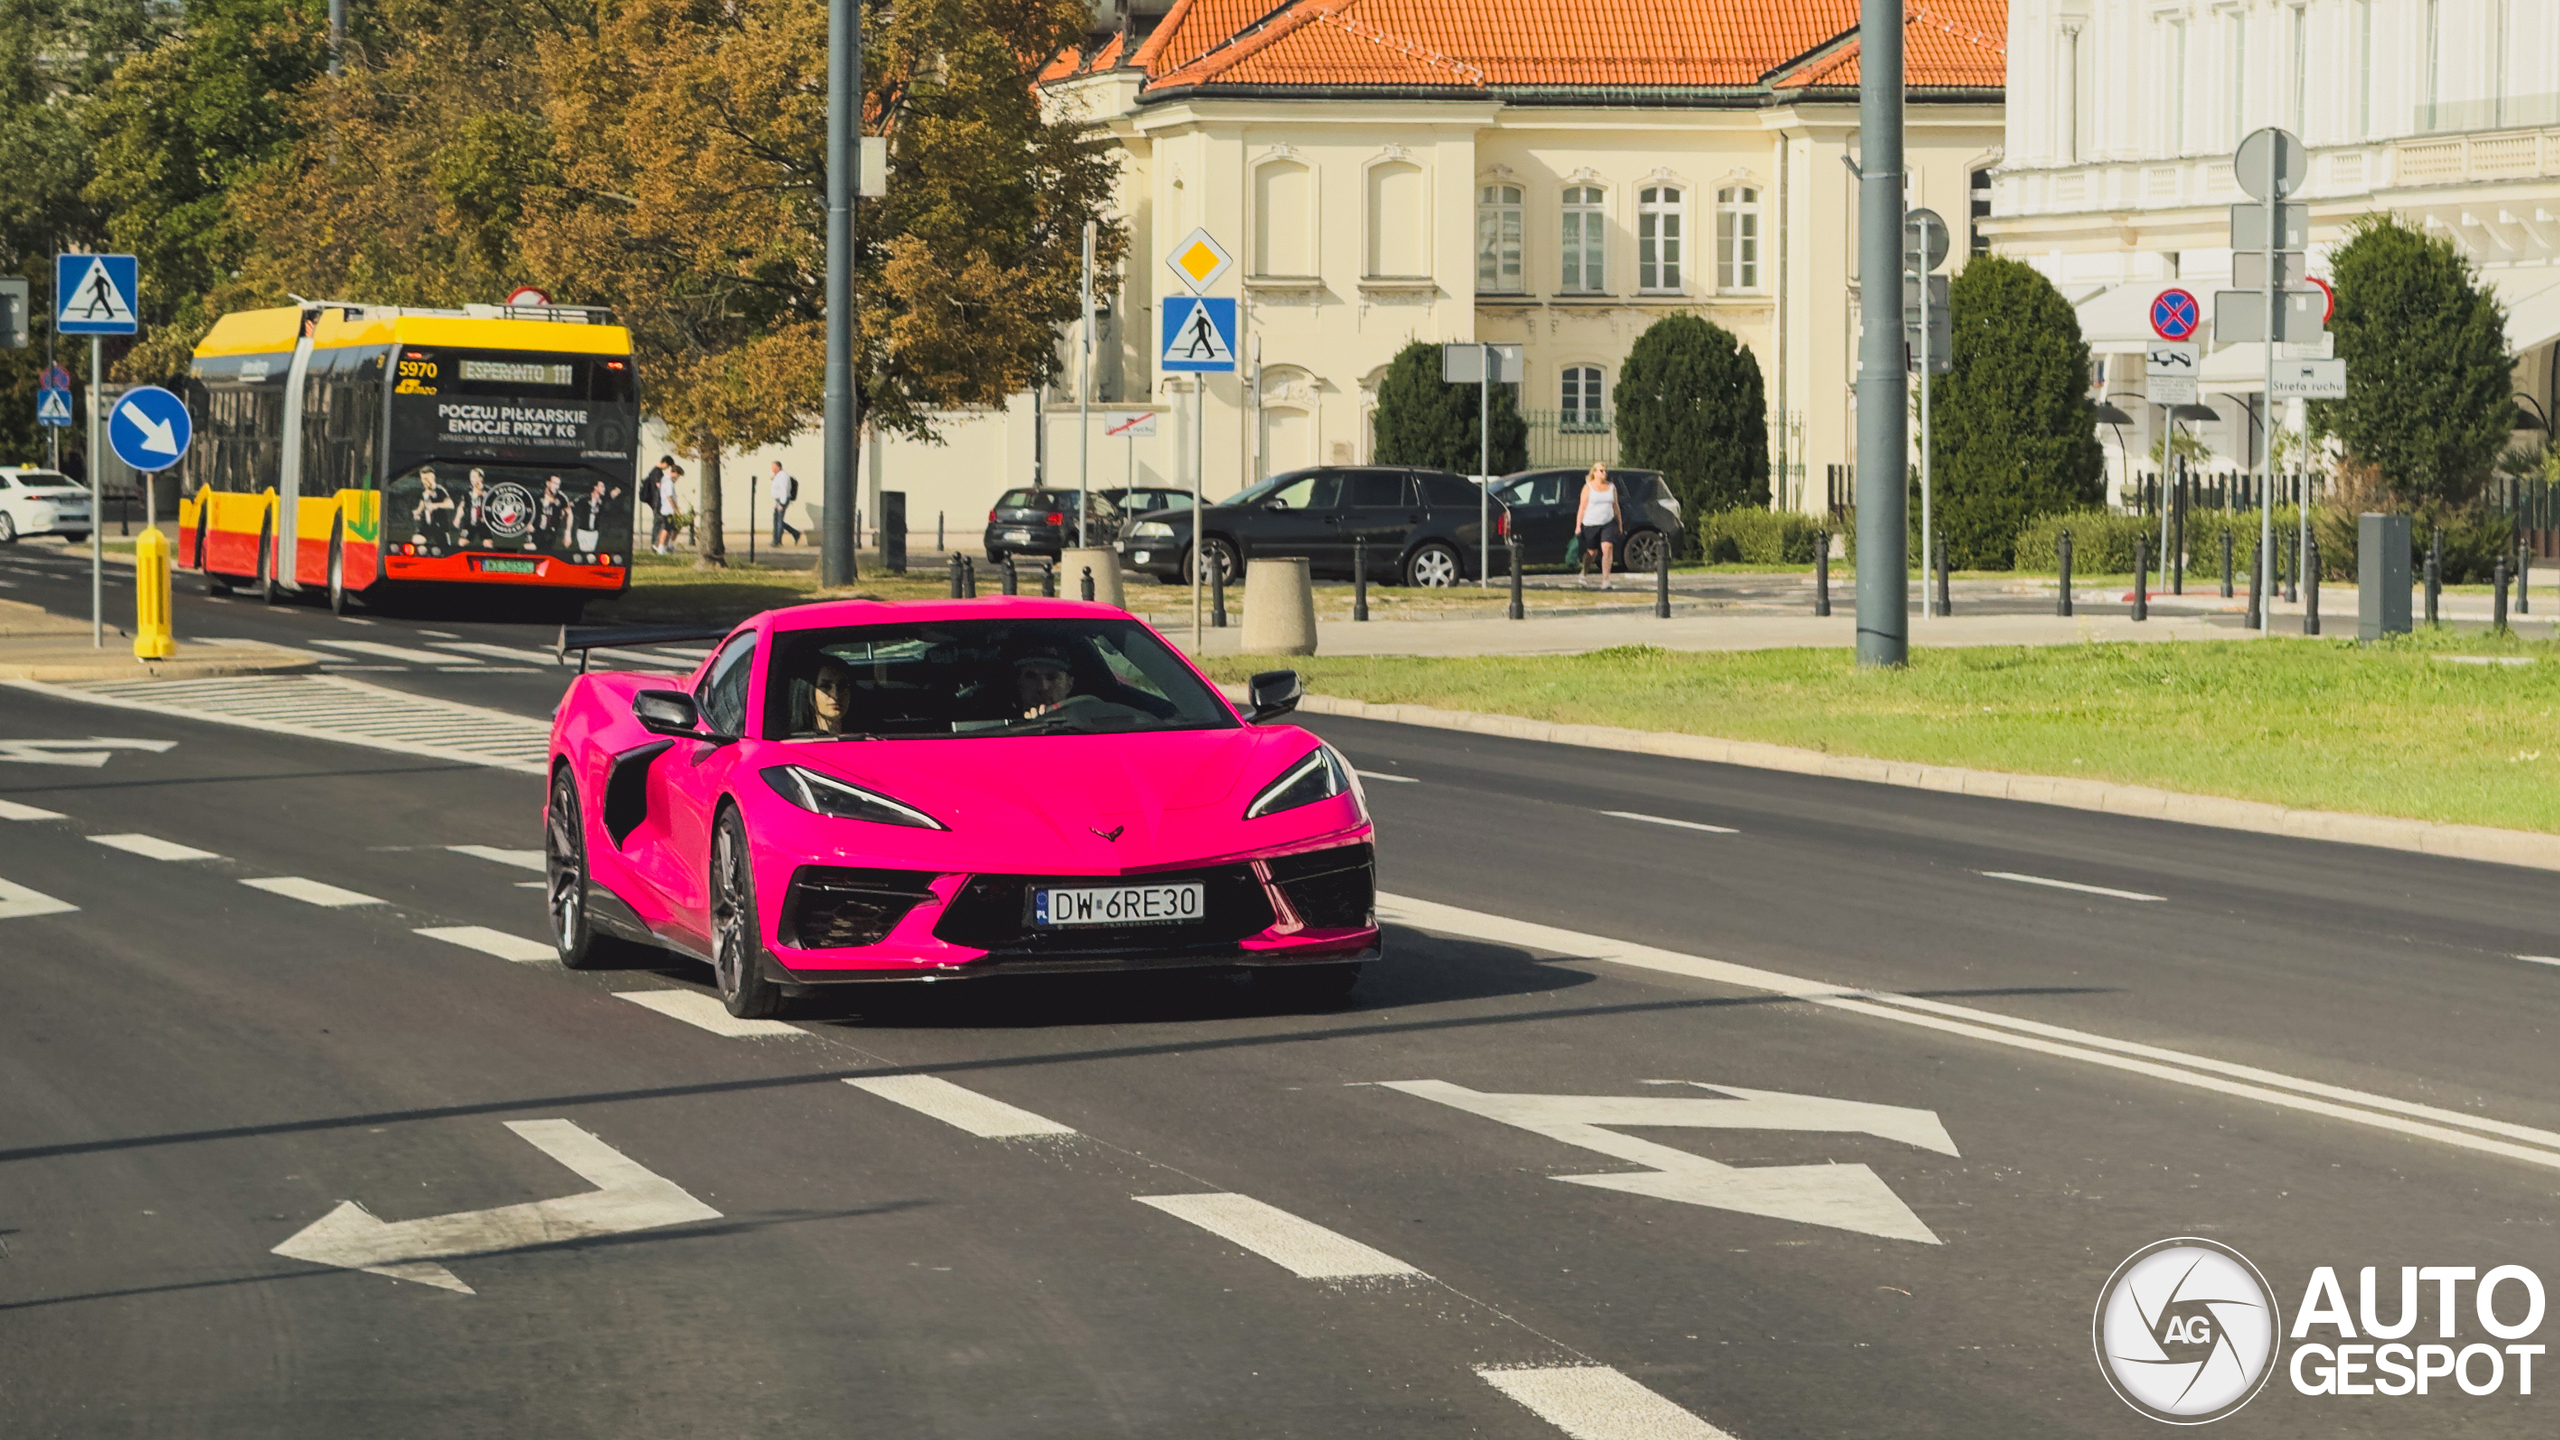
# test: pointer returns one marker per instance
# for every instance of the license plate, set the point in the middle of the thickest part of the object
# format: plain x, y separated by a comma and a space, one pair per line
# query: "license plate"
511, 567
1018, 537
1118, 905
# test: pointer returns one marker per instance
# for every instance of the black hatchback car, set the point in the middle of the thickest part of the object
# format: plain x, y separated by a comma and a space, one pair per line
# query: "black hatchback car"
1041, 521
1540, 505
1421, 526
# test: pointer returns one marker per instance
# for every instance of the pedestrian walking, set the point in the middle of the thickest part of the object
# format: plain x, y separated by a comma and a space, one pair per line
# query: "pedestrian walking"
785, 489
669, 502
653, 495
1597, 513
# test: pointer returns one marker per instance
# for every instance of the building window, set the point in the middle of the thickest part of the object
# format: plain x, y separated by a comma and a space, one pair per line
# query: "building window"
1582, 398
1738, 238
1977, 210
1658, 238
1583, 231
1498, 240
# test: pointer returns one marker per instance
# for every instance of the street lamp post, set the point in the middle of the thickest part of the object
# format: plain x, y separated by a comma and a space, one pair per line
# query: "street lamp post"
844, 126
1884, 441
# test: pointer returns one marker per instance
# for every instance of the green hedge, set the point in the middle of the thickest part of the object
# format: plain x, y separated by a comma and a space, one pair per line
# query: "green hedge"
2102, 542
1749, 535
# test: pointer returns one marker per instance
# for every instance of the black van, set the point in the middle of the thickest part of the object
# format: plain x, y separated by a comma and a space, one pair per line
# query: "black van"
1540, 503
1422, 527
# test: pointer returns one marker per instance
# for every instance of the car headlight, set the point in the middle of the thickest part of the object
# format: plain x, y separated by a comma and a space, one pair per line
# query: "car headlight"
1151, 530
1320, 776
826, 795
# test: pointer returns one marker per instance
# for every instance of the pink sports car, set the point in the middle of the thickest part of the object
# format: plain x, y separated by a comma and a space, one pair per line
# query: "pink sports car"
865, 791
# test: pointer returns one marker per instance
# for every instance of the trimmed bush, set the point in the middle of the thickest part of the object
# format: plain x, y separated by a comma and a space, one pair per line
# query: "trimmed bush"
1690, 404
2015, 433
2101, 542
1750, 536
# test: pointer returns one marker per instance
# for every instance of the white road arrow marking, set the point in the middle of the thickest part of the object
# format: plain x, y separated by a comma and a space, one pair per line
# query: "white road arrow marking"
1844, 1197
627, 1198
159, 435
91, 752
17, 902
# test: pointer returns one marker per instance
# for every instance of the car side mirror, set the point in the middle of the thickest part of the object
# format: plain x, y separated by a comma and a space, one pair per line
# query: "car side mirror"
1274, 693
668, 712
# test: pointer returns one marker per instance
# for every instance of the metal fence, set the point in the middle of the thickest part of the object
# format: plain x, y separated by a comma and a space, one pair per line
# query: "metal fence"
1584, 439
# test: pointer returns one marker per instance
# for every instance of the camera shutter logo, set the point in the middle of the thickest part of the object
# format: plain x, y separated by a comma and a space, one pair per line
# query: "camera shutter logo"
2186, 1331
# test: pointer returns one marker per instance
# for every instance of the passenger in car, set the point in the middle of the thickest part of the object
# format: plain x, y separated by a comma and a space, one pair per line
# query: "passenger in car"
830, 697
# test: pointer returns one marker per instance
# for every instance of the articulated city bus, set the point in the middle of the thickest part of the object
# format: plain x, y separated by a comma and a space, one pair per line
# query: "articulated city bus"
489, 446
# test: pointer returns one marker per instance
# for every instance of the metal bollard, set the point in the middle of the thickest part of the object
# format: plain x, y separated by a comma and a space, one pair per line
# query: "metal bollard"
1012, 577
1821, 572
1218, 595
151, 638
1088, 582
2498, 594
968, 577
2435, 575
2175, 562
2257, 574
1049, 581
1944, 606
2062, 556
1662, 581
955, 574
2142, 578
2226, 564
2524, 578
938, 541
2290, 577
1359, 577
2311, 587
1511, 543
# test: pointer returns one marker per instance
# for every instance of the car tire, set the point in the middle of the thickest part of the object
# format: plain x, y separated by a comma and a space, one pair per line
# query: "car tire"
1308, 987
268, 590
1433, 567
564, 871
1222, 555
737, 936
339, 600
1642, 552
8, 528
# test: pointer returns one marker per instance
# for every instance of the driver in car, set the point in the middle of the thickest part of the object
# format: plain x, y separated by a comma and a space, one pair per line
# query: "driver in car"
1042, 681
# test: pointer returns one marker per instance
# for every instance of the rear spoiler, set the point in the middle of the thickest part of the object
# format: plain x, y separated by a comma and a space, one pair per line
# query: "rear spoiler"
583, 638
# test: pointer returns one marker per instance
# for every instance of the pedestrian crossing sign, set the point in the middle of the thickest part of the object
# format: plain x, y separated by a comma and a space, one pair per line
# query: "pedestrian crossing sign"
53, 407
1200, 334
95, 294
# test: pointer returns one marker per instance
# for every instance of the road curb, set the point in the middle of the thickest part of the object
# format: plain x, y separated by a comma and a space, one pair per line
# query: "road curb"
2461, 842
117, 662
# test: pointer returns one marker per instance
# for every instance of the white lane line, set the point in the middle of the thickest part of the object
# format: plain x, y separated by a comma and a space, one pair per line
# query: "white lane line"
704, 1013
392, 652
1594, 1402
492, 942
1301, 1247
521, 859
311, 892
2540, 959
986, 1118
516, 653
152, 847
12, 810
2051, 884
1390, 779
17, 902
1667, 820
2248, 1082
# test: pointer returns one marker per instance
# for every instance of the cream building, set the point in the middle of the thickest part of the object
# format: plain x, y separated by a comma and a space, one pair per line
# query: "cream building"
2123, 115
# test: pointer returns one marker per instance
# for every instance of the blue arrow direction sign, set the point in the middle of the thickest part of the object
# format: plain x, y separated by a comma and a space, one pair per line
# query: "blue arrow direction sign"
149, 428
53, 407
1199, 334
96, 294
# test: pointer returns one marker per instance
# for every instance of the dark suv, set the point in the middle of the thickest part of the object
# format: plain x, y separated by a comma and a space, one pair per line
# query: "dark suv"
1540, 503
1421, 526
1042, 522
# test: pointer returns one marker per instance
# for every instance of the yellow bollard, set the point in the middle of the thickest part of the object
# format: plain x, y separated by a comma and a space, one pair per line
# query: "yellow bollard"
151, 638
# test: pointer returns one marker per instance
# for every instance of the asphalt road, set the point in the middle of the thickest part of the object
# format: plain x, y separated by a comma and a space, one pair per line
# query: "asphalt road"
2319, 1055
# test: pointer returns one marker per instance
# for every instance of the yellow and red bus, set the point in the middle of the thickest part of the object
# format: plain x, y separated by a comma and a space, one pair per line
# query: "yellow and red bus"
346, 449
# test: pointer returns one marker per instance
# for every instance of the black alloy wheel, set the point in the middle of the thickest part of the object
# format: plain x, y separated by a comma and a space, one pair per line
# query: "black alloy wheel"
737, 953
1222, 555
1642, 553
1434, 567
564, 871
8, 529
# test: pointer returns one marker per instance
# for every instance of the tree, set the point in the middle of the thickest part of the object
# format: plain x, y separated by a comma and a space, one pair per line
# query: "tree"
2015, 433
2429, 382
1423, 420
1690, 404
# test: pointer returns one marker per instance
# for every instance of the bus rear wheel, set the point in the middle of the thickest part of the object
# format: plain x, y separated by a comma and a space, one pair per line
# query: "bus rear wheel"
268, 590
339, 601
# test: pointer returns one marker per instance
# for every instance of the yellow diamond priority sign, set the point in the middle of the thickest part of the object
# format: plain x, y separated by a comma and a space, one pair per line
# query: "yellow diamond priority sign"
1200, 260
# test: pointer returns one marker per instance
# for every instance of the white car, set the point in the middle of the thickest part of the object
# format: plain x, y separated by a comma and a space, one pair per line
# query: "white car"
41, 502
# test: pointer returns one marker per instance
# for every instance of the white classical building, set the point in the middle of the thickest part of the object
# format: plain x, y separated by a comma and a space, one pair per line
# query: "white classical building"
2123, 114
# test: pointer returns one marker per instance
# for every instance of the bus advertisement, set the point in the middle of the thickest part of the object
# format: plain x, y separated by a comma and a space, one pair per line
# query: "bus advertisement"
493, 446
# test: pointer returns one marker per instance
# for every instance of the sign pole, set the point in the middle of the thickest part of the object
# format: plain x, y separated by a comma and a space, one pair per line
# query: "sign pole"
1484, 470
97, 500
2267, 430
1084, 399
1199, 552
1928, 531
1884, 586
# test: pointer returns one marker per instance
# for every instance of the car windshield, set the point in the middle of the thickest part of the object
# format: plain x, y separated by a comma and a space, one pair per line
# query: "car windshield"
44, 479
946, 678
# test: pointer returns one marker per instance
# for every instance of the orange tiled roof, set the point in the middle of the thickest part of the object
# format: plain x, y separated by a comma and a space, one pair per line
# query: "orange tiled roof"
1490, 45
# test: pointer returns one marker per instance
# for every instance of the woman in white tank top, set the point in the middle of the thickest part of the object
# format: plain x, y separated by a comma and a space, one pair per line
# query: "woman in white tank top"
1596, 512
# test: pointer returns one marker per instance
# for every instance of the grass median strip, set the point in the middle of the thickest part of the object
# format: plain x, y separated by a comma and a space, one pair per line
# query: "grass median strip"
2325, 724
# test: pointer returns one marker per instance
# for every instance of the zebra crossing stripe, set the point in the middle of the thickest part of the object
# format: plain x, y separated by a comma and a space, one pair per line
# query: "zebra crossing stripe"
330, 707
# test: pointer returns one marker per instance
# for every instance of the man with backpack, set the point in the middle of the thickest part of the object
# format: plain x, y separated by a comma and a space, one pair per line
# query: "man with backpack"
786, 488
